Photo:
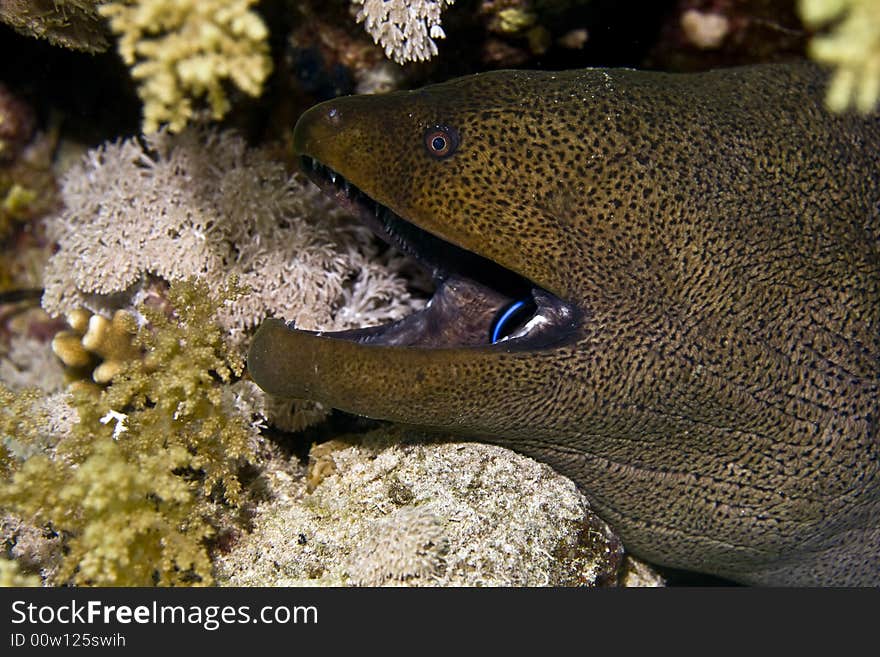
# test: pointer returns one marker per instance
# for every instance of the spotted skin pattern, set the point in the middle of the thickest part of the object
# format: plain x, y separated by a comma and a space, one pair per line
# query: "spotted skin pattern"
718, 235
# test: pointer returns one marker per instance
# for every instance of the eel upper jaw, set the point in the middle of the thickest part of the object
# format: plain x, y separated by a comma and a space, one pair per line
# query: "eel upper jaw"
472, 294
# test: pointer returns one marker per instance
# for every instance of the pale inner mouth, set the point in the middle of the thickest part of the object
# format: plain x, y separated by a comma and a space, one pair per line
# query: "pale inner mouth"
476, 301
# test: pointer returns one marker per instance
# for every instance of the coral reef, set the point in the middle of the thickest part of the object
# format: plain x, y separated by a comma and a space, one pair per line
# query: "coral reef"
37, 550
69, 23
136, 485
413, 543
19, 425
182, 51
124, 517
406, 29
518, 18
140, 214
141, 471
851, 45
635, 573
398, 509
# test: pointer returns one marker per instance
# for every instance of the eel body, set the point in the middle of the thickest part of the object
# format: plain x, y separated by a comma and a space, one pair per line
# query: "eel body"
697, 261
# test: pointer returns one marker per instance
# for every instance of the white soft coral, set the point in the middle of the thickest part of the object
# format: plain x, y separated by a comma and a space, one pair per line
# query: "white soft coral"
406, 29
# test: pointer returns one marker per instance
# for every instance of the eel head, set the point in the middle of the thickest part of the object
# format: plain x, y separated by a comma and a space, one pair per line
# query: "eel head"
665, 286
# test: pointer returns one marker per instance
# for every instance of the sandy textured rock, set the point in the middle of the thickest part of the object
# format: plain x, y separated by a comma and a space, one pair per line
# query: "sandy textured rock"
391, 510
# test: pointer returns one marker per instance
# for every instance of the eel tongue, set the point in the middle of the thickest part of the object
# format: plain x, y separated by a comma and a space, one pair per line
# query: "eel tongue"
459, 314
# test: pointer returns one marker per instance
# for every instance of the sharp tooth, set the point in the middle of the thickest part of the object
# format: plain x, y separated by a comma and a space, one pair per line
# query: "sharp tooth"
333, 177
536, 321
315, 164
345, 188
377, 210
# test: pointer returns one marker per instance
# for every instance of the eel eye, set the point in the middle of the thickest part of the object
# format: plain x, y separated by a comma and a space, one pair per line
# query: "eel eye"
512, 318
441, 141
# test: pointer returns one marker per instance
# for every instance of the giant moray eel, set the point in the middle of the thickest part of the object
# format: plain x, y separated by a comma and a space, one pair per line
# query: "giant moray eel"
698, 261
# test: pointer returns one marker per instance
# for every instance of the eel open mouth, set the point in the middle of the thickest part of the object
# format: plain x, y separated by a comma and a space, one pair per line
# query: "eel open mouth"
477, 302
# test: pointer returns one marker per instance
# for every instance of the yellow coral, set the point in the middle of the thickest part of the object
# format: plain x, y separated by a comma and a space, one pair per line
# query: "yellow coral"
852, 46
181, 50
131, 521
515, 19
21, 422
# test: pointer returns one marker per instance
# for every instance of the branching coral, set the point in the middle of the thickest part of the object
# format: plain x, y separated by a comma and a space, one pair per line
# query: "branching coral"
851, 45
406, 29
185, 50
133, 484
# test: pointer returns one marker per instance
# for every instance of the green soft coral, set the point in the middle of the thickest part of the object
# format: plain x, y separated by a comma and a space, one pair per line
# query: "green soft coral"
11, 575
851, 44
129, 521
181, 50
21, 426
171, 397
134, 483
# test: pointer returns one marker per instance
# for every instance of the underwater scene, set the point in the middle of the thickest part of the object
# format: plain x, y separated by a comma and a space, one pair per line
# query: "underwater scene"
502, 293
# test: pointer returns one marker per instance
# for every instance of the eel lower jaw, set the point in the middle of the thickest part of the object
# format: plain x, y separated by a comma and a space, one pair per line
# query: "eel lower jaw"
476, 303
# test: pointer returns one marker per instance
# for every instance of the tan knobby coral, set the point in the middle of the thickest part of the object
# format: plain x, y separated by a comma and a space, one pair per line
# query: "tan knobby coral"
704, 29
93, 337
181, 50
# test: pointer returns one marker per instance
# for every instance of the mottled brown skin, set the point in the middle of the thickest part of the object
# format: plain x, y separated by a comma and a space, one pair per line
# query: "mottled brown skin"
718, 233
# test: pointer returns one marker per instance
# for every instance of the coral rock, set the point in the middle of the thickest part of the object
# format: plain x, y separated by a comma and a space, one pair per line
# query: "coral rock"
70, 23
398, 511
